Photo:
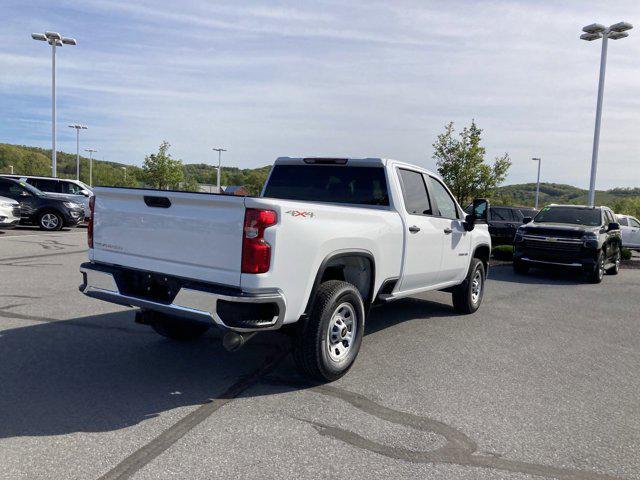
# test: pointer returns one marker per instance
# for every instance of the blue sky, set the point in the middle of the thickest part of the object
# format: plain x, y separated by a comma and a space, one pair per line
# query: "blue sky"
265, 79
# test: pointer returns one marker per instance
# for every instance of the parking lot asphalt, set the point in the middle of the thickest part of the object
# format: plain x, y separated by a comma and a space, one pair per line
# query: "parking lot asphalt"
542, 382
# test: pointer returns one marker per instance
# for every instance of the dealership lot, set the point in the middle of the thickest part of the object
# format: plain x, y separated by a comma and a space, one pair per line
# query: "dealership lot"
542, 382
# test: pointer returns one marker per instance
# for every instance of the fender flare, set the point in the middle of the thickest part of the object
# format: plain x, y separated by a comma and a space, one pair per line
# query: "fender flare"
335, 255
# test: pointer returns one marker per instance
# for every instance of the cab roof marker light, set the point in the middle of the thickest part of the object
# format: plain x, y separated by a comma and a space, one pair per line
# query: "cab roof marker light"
326, 161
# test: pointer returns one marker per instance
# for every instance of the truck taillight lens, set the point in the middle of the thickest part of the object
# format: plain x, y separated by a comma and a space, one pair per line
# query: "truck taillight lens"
92, 202
256, 252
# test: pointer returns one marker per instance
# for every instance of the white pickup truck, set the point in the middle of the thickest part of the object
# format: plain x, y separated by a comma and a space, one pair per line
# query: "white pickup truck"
327, 239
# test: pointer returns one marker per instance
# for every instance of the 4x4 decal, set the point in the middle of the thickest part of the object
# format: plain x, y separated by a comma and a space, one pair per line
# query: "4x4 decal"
299, 213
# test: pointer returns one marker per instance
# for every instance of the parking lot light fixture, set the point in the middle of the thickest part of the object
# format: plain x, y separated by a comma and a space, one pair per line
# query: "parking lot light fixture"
596, 31
78, 128
219, 150
55, 40
539, 160
91, 152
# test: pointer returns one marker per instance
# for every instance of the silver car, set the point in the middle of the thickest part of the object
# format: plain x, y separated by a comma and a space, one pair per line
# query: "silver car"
9, 213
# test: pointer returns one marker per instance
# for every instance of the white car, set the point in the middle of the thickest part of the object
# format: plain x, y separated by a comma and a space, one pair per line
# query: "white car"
65, 188
326, 240
9, 213
630, 231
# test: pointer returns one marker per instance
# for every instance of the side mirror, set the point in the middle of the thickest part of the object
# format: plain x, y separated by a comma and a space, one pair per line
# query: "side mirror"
613, 226
480, 209
527, 219
86, 193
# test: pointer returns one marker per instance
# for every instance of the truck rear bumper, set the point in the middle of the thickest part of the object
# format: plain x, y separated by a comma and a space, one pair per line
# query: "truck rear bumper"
196, 301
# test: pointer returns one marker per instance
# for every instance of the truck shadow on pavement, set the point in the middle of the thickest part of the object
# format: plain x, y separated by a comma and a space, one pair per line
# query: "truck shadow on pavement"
537, 276
104, 372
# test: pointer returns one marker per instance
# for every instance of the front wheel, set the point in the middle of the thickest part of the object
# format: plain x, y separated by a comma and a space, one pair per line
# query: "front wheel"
50, 221
327, 342
597, 274
467, 296
615, 268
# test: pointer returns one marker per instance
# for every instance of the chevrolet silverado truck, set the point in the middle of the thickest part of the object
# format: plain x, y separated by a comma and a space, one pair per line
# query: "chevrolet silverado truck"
570, 236
327, 239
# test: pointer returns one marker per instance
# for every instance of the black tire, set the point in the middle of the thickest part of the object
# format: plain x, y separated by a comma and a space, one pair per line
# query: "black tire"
176, 329
314, 352
520, 268
616, 264
597, 274
467, 296
50, 220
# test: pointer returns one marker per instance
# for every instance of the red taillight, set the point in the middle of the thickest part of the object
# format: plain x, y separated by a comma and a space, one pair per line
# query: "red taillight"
256, 252
92, 202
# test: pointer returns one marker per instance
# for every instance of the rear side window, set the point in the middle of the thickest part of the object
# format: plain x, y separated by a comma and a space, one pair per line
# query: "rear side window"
446, 203
502, 214
52, 186
414, 192
634, 223
329, 183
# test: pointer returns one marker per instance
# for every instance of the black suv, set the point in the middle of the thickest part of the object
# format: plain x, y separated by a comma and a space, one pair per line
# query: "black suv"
570, 236
504, 221
37, 208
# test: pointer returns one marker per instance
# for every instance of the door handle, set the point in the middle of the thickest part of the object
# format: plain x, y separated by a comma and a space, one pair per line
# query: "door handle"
447, 231
414, 229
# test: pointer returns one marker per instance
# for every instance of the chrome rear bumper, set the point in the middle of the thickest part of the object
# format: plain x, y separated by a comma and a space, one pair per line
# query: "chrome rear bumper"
191, 304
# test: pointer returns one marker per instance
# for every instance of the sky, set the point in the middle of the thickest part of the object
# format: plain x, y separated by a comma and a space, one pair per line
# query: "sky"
327, 78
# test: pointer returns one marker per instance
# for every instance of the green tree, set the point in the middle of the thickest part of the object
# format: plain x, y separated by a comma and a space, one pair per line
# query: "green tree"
461, 163
161, 170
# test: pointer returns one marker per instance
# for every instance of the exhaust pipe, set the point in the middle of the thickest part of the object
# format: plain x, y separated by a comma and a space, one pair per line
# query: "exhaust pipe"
234, 341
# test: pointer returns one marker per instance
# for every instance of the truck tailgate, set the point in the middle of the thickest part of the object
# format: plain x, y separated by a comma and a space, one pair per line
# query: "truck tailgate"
191, 235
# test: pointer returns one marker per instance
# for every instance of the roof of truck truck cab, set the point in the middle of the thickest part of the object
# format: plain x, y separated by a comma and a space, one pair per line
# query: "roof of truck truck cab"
356, 162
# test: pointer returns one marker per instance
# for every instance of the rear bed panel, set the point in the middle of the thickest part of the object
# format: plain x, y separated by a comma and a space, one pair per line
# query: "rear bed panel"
199, 236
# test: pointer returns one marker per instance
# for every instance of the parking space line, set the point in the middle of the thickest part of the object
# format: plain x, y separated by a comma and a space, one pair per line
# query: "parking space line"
29, 257
42, 235
146, 454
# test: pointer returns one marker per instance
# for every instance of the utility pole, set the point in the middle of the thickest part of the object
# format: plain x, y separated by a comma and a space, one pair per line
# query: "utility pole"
219, 150
596, 31
539, 160
78, 128
91, 152
55, 40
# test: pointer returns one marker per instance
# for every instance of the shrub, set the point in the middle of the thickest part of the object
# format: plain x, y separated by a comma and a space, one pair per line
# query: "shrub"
626, 254
502, 252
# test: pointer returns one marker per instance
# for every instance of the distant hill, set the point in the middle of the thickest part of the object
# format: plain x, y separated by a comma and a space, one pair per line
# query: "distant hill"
621, 200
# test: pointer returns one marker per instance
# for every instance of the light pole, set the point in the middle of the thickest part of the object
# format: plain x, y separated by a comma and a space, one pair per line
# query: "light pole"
78, 128
55, 40
91, 152
125, 174
594, 32
219, 150
11, 169
539, 160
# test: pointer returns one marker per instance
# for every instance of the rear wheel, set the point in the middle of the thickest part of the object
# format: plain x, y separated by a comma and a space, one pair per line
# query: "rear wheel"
467, 296
176, 329
50, 221
615, 268
327, 342
597, 274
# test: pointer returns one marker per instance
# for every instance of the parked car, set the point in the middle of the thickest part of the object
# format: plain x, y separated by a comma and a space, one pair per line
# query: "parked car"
38, 208
9, 213
573, 236
630, 231
65, 188
326, 240
504, 221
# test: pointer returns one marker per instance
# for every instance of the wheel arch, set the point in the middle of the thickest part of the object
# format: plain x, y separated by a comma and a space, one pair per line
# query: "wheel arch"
482, 252
344, 265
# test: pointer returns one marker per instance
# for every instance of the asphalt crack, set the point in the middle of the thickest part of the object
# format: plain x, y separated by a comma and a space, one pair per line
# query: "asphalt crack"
459, 449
